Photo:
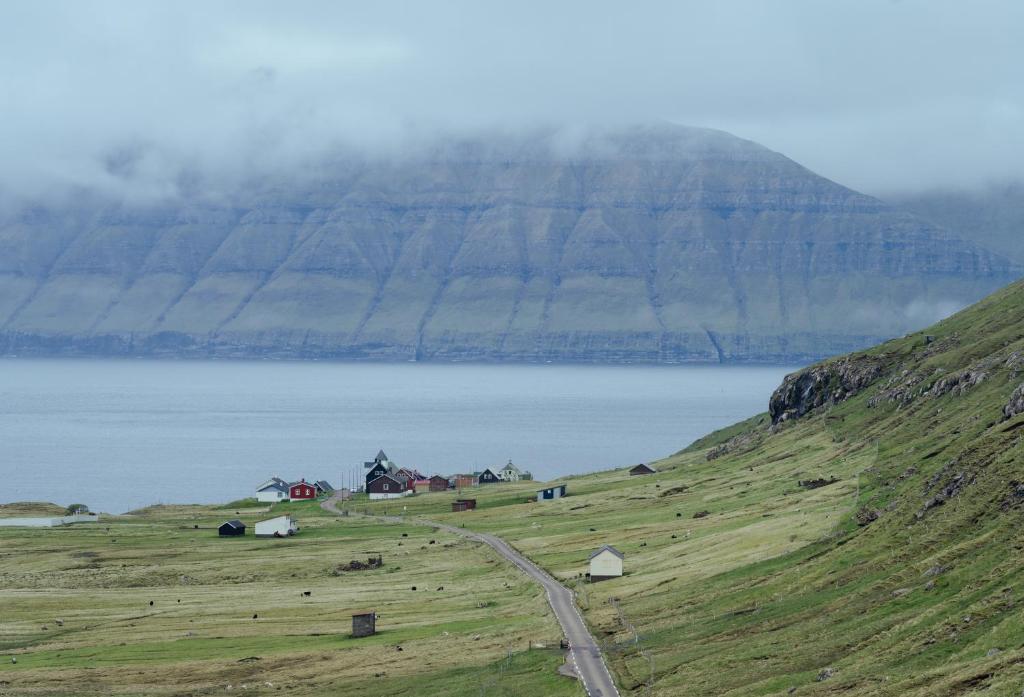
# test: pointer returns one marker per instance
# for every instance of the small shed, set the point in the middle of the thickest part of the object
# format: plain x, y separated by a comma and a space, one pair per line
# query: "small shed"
642, 469
281, 526
605, 563
231, 528
552, 492
364, 623
438, 483
459, 505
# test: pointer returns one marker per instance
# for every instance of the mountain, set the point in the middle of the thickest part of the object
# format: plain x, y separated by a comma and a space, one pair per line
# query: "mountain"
659, 243
862, 537
992, 216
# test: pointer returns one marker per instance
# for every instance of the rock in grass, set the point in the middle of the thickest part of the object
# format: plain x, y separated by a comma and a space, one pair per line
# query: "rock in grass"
825, 674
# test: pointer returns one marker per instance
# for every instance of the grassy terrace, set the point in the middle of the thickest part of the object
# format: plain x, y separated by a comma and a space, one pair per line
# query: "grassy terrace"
199, 635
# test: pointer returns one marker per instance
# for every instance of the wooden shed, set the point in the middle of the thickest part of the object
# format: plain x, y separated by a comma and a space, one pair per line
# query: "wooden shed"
438, 483
364, 623
231, 528
463, 505
642, 469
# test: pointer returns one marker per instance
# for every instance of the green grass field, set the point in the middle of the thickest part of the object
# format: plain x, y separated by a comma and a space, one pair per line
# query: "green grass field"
199, 635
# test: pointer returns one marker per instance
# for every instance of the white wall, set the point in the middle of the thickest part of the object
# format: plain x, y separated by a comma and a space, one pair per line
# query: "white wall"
606, 564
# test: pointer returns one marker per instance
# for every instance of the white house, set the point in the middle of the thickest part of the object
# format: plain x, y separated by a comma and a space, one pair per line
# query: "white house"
605, 563
281, 526
272, 490
510, 473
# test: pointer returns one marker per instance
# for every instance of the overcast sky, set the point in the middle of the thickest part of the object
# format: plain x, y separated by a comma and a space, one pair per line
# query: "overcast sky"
877, 94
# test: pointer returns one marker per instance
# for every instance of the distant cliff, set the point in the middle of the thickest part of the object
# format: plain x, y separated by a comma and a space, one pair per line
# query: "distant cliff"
649, 244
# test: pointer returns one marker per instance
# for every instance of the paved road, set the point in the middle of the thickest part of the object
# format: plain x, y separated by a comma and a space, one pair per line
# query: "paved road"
586, 656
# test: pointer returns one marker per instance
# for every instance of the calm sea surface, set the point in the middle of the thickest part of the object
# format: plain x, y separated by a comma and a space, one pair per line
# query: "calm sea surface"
121, 434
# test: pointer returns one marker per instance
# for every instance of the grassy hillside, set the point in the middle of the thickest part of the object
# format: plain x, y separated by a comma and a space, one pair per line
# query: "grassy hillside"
148, 604
902, 574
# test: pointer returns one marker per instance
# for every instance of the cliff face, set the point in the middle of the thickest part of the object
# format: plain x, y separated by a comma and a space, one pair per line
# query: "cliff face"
664, 243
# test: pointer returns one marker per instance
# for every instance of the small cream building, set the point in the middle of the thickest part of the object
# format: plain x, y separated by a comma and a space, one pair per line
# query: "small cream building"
281, 526
605, 563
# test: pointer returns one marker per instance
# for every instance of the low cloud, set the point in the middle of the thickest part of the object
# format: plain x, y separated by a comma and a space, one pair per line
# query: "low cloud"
144, 99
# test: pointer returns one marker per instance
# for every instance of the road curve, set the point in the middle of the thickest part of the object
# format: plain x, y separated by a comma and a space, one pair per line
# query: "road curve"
585, 653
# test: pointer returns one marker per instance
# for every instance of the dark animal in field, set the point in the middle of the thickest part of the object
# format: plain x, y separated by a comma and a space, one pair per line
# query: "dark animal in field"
593, 529
679, 515
307, 593
440, 588
405, 534
255, 616
433, 542
151, 603
414, 588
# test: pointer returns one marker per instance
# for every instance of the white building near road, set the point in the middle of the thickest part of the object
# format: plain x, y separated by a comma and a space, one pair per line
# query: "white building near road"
605, 563
281, 526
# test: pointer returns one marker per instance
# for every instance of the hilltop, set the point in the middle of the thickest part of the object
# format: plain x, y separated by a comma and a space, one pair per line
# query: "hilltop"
861, 537
654, 243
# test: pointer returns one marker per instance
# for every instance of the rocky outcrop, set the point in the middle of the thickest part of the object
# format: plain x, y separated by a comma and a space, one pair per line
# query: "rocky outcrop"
1016, 404
820, 385
648, 244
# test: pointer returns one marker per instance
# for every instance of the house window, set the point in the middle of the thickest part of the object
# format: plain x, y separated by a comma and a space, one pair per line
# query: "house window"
385, 487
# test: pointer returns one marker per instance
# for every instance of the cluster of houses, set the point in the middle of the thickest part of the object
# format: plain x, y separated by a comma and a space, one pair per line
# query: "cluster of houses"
275, 490
386, 480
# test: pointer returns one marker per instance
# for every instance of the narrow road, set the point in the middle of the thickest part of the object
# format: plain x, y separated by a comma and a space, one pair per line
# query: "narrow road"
584, 651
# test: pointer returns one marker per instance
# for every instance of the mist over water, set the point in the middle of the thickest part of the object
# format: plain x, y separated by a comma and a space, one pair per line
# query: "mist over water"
121, 434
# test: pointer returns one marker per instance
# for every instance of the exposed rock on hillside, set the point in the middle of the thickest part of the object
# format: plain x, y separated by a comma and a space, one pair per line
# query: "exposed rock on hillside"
819, 385
659, 244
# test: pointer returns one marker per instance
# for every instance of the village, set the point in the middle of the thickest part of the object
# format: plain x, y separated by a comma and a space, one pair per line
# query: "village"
385, 480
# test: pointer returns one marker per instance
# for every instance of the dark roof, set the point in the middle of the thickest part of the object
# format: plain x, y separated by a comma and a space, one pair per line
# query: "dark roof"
274, 483
611, 549
643, 466
234, 523
553, 486
380, 456
323, 485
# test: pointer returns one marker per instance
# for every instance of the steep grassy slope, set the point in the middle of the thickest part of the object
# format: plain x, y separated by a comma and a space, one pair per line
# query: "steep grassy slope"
149, 605
904, 577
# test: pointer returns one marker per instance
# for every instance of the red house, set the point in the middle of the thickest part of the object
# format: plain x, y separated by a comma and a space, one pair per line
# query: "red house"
301, 490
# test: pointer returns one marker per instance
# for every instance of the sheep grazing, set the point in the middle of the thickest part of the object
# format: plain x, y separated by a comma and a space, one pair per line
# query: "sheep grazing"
255, 616
440, 588
414, 588
307, 593
59, 622
14, 659
151, 603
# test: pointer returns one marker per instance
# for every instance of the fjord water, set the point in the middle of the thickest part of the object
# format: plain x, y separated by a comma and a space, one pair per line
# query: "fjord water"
122, 434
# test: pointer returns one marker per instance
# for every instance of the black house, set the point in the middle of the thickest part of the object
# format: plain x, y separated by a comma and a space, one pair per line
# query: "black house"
231, 528
487, 477
377, 470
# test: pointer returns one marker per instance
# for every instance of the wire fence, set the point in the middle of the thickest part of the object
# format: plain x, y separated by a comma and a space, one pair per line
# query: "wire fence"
636, 643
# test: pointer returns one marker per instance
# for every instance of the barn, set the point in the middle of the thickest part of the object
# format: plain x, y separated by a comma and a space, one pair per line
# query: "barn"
301, 490
552, 492
281, 526
642, 469
231, 528
605, 563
